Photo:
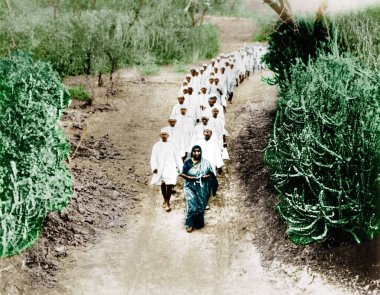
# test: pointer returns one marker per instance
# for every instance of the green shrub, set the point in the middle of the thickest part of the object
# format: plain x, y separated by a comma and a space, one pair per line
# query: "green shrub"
33, 178
79, 93
324, 150
359, 33
286, 45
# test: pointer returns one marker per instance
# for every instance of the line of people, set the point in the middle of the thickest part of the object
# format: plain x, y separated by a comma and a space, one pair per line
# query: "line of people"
193, 145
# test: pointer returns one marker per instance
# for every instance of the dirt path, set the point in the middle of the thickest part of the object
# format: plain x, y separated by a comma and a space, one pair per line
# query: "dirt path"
154, 254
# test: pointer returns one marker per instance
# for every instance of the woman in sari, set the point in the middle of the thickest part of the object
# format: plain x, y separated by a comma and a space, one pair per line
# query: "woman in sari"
199, 181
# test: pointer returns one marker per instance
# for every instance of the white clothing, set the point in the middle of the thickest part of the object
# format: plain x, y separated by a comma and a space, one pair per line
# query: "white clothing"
211, 152
218, 125
198, 134
176, 109
176, 137
186, 126
165, 158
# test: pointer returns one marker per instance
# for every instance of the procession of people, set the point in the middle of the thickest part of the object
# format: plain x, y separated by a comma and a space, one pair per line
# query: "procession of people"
193, 145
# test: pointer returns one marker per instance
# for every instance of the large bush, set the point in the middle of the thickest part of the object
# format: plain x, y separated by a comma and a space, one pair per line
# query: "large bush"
324, 151
359, 33
33, 178
288, 42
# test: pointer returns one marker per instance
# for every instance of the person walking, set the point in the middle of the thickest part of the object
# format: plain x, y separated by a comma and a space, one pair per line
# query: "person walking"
199, 182
166, 164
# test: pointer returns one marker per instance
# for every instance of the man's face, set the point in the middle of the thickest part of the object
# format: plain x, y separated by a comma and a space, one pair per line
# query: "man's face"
193, 72
196, 154
203, 90
204, 120
201, 71
207, 133
188, 79
184, 90
181, 100
215, 70
222, 70
164, 136
215, 113
172, 122
216, 81
211, 101
190, 90
183, 111
211, 81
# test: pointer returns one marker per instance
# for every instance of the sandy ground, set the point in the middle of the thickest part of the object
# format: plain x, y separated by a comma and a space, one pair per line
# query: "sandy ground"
146, 250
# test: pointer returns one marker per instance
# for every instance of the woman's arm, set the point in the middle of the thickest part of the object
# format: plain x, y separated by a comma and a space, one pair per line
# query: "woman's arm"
187, 177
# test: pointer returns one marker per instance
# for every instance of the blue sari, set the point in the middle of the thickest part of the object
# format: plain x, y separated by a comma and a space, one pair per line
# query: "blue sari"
198, 190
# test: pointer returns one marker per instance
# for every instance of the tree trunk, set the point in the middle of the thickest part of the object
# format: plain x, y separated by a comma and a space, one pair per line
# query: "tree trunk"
100, 80
283, 10
88, 64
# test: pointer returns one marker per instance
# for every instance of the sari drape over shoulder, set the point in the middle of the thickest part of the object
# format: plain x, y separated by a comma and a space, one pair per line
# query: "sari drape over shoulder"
197, 191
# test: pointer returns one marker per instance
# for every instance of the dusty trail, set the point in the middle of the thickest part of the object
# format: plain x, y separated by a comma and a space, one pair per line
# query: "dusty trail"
154, 254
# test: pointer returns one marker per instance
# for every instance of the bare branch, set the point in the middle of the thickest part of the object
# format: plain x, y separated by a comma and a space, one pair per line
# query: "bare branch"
137, 13
282, 8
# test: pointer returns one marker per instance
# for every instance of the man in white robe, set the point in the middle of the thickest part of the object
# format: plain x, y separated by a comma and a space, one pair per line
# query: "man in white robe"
186, 127
176, 136
166, 164
211, 151
176, 108
193, 107
203, 97
218, 125
212, 104
198, 132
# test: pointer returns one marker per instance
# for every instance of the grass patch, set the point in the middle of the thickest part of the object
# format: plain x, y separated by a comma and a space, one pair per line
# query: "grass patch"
79, 93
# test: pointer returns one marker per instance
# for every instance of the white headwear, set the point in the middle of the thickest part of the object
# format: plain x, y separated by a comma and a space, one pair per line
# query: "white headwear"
164, 130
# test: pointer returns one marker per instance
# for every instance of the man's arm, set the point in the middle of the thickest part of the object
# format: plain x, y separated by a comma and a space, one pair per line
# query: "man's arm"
154, 159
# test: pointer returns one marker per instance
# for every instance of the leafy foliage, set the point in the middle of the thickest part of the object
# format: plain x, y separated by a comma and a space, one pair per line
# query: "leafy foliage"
359, 34
286, 44
33, 179
324, 151
94, 37
79, 93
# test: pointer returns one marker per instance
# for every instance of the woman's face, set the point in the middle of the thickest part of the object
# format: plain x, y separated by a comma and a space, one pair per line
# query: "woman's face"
196, 154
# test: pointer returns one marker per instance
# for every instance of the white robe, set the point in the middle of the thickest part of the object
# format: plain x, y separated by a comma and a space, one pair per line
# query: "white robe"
198, 134
211, 152
177, 138
165, 158
186, 126
176, 109
193, 108
208, 112
218, 125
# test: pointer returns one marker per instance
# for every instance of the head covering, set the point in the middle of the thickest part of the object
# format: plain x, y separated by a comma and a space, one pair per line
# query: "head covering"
189, 163
196, 147
188, 76
164, 130
183, 107
172, 118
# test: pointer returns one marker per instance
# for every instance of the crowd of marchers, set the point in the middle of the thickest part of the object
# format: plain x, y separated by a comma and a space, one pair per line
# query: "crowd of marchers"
193, 145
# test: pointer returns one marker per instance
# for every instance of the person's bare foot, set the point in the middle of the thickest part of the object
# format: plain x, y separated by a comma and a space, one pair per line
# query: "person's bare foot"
189, 229
167, 207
